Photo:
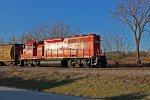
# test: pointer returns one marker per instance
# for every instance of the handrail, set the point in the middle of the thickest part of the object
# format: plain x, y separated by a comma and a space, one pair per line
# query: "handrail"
58, 53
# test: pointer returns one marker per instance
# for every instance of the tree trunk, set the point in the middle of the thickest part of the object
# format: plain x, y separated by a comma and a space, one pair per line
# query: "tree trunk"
139, 63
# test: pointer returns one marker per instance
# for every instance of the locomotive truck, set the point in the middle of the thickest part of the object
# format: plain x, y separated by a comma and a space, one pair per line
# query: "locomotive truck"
74, 51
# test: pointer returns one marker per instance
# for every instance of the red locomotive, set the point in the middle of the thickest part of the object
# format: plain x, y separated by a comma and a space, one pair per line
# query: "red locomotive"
81, 51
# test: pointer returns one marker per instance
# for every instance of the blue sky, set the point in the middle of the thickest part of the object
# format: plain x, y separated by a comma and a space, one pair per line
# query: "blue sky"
90, 16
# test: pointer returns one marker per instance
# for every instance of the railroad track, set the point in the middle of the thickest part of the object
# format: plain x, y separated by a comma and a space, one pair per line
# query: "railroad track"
123, 68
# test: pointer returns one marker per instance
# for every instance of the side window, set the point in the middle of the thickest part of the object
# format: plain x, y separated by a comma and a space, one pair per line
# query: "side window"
34, 47
23, 46
29, 47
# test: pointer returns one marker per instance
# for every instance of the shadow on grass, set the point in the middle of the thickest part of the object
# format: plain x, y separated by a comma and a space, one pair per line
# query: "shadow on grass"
35, 84
132, 96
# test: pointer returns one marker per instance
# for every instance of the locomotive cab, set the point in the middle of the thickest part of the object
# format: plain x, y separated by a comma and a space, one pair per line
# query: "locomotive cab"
30, 50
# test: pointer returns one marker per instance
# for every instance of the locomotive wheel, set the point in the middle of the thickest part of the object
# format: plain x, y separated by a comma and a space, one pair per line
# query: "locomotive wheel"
71, 63
86, 65
12, 63
8, 63
64, 63
35, 64
26, 64
81, 65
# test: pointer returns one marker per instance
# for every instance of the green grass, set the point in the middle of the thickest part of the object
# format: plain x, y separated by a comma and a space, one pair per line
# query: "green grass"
113, 87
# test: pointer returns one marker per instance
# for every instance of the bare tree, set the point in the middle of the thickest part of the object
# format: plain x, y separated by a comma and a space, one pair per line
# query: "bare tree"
40, 31
136, 15
25, 37
45, 31
56, 29
114, 46
60, 30
148, 52
2, 41
13, 39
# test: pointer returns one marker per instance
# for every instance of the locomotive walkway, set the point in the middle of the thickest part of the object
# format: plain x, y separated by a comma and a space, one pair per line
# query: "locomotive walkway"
20, 94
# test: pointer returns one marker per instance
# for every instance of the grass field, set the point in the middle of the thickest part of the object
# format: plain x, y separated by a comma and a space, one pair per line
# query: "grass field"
131, 62
107, 84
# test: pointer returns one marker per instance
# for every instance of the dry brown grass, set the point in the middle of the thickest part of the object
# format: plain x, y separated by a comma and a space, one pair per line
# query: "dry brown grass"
131, 62
111, 84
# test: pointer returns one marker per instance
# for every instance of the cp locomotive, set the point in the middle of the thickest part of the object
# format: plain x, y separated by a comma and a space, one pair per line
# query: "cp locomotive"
75, 51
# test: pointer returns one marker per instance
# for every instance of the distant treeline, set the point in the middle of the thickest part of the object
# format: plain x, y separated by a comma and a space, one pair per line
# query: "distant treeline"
128, 54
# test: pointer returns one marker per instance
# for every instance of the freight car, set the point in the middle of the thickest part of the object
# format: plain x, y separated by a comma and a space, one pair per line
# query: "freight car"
10, 54
81, 51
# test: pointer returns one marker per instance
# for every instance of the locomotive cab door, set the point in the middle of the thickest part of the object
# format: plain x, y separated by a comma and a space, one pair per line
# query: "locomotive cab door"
31, 49
34, 50
40, 51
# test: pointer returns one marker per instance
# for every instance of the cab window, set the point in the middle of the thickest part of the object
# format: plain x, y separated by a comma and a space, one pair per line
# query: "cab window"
29, 47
